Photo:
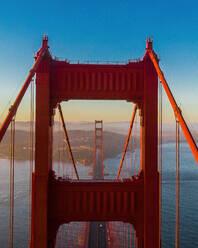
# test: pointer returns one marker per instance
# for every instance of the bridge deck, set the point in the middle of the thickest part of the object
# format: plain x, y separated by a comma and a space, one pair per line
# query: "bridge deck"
97, 230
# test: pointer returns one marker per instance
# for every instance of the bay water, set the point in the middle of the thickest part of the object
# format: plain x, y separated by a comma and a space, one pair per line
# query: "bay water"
188, 197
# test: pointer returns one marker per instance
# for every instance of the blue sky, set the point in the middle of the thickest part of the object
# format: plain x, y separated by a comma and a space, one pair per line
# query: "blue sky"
102, 30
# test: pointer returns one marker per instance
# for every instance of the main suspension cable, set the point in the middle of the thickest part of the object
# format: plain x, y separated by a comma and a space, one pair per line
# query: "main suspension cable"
14, 107
176, 109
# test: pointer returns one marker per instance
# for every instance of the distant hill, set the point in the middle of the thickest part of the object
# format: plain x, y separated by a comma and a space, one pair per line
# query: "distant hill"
82, 143
82, 139
115, 127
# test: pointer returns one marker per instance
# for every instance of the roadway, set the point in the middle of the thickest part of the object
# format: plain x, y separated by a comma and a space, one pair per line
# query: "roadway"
97, 230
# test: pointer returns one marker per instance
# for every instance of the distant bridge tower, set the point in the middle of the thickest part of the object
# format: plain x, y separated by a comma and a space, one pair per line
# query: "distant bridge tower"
97, 235
98, 164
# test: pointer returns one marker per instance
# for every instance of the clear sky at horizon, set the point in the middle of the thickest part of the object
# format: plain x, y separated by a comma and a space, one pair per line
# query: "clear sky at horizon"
101, 30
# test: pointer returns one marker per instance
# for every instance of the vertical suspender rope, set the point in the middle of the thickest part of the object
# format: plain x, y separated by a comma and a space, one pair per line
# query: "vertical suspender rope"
59, 162
177, 186
12, 146
160, 160
176, 208
59, 172
61, 167
64, 159
58, 236
11, 177
134, 169
131, 156
67, 161
135, 152
63, 156
12, 185
126, 167
31, 156
131, 173
178, 159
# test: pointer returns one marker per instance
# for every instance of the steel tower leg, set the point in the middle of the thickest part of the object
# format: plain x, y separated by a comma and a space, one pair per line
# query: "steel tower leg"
43, 157
149, 153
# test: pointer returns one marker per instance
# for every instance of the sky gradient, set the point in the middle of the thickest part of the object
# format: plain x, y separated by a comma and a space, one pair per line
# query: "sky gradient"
101, 30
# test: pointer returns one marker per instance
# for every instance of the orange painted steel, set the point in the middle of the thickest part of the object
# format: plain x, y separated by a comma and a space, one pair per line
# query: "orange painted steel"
96, 82
96, 200
58, 81
176, 109
127, 141
67, 140
149, 155
43, 154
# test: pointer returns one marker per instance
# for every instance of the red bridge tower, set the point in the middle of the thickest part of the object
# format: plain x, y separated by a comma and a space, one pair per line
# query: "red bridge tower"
58, 201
